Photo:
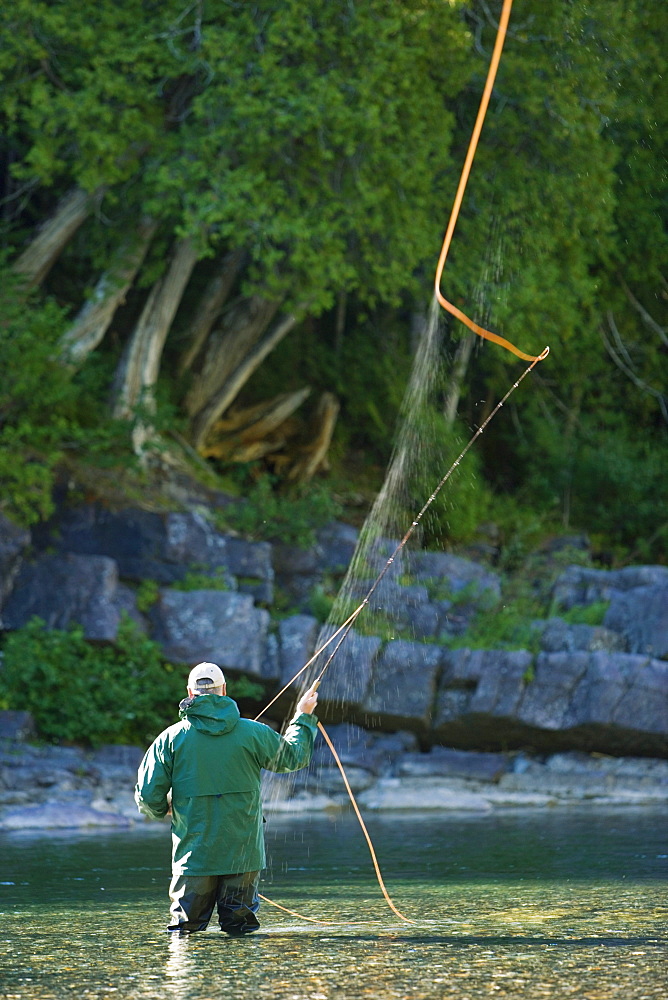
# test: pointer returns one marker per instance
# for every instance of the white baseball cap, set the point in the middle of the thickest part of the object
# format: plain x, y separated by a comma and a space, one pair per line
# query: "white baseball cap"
205, 676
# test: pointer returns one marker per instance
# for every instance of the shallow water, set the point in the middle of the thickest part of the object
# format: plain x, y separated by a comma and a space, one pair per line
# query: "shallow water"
546, 904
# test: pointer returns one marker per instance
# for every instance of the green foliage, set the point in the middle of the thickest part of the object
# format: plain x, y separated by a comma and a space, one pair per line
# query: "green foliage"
292, 518
589, 614
46, 415
89, 694
147, 595
294, 131
201, 581
507, 626
615, 485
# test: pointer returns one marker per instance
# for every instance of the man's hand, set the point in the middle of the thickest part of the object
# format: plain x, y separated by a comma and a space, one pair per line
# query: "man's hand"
308, 700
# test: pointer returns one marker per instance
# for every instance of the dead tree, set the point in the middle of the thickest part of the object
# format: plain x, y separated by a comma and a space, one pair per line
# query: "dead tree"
93, 320
53, 236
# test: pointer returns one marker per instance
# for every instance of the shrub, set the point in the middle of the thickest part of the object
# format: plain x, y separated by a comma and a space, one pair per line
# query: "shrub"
292, 518
92, 694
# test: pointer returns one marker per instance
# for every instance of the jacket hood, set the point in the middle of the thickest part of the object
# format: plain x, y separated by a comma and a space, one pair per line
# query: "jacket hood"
210, 713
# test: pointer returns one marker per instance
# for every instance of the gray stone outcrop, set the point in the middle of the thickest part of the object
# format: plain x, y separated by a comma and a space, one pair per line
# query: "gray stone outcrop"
641, 616
68, 589
576, 688
579, 585
212, 625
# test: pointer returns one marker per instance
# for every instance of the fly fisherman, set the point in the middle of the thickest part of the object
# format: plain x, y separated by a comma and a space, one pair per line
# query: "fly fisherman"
211, 763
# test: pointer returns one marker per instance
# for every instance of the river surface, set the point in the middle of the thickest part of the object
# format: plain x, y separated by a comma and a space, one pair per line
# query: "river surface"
558, 904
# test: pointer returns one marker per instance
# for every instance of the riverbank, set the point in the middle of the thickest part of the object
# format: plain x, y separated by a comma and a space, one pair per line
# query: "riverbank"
59, 787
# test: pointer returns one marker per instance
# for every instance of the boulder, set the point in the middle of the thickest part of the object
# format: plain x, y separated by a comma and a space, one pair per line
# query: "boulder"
478, 697
67, 589
403, 685
213, 625
547, 702
641, 617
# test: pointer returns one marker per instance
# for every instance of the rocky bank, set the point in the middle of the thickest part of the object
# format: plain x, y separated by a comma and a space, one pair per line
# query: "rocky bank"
580, 716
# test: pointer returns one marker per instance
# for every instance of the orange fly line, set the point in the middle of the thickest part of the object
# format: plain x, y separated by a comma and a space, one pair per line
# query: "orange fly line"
466, 170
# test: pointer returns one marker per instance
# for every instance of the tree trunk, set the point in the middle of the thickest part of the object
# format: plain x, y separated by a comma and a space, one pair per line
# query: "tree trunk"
242, 326
315, 453
209, 308
248, 351
92, 321
39, 257
139, 368
454, 387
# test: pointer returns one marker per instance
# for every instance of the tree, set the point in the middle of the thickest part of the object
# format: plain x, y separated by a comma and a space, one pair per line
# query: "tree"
280, 146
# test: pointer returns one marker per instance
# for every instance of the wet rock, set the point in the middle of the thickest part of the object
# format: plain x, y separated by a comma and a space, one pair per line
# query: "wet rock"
68, 589
328, 780
212, 625
403, 685
641, 616
579, 585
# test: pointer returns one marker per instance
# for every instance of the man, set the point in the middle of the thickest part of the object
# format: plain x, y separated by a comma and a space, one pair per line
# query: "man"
206, 770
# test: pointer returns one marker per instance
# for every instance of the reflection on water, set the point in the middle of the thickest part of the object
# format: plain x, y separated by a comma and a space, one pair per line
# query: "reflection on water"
540, 905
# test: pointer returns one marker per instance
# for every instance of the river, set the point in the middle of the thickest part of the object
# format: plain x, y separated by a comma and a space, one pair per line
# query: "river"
551, 903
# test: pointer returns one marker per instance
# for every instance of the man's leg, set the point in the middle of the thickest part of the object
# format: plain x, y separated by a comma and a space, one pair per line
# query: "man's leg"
193, 899
238, 902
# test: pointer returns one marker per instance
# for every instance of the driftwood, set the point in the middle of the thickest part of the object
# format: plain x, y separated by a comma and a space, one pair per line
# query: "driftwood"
251, 433
313, 456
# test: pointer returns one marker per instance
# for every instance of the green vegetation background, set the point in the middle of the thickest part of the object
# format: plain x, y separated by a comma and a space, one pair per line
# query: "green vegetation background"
322, 143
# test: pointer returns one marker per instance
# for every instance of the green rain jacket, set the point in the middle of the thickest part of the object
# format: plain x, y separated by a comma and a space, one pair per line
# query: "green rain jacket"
212, 761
